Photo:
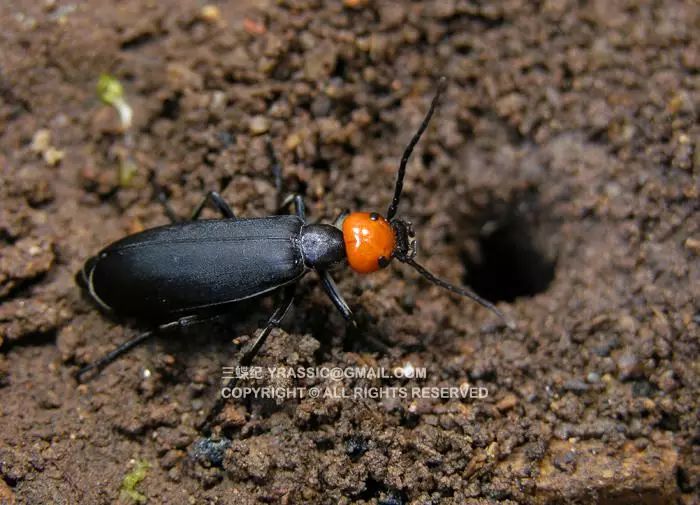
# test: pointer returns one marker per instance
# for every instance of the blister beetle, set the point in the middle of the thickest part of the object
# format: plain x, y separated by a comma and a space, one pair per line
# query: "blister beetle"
183, 272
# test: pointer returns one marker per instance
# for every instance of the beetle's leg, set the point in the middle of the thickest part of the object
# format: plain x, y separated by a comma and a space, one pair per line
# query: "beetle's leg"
274, 321
111, 356
332, 291
283, 204
340, 217
163, 200
130, 344
334, 294
299, 207
276, 169
213, 196
217, 200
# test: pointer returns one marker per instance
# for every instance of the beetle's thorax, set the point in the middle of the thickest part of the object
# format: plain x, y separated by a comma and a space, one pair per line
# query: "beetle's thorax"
322, 246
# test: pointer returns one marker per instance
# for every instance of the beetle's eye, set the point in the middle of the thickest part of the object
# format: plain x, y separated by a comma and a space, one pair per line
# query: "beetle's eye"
369, 241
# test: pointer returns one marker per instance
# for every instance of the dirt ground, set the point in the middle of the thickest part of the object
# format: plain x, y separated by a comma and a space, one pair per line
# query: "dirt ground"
559, 178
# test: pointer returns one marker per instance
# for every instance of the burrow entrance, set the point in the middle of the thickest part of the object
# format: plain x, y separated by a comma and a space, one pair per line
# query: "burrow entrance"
517, 251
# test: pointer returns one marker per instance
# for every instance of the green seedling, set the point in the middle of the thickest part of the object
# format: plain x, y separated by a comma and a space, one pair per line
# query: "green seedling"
111, 92
127, 171
132, 479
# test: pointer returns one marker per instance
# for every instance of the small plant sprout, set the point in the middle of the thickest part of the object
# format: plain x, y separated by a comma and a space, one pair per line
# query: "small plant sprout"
127, 171
133, 479
111, 92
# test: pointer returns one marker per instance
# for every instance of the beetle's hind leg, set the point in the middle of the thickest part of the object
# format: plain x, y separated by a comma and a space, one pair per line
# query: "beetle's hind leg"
274, 321
111, 356
138, 339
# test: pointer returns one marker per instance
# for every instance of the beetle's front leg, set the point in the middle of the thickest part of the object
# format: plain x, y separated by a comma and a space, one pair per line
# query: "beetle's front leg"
339, 218
334, 294
299, 207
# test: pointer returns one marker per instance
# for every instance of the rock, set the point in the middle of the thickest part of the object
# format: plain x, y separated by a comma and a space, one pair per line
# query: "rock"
576, 386
210, 452
210, 13
259, 125
507, 402
693, 245
568, 408
628, 366
593, 377
320, 62
27, 259
22, 317
356, 446
632, 475
7, 495
233, 416
667, 381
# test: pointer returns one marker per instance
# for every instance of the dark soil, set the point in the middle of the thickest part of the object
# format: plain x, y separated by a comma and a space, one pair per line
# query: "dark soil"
560, 178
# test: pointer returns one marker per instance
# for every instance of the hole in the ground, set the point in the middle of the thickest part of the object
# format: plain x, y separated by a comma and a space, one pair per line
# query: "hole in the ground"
171, 107
515, 256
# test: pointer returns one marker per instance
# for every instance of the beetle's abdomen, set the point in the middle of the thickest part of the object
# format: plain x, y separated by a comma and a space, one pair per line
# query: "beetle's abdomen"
187, 267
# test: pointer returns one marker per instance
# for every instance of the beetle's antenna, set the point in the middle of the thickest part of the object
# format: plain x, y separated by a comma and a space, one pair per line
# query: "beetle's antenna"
460, 291
442, 83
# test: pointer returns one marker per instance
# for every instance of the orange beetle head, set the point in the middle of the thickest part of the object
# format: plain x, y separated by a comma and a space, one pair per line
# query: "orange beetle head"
371, 241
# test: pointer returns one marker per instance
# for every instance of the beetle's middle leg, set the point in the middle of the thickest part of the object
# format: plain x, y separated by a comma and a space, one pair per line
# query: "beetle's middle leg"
284, 203
276, 170
212, 196
218, 201
274, 321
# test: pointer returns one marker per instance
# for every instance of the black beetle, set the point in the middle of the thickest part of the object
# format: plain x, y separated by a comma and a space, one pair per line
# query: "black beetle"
185, 272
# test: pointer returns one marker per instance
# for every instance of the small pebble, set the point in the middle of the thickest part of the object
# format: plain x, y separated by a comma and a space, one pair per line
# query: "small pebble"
667, 381
507, 402
259, 125
41, 141
593, 377
628, 366
210, 13
576, 385
210, 451
356, 446
53, 156
642, 389
693, 245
